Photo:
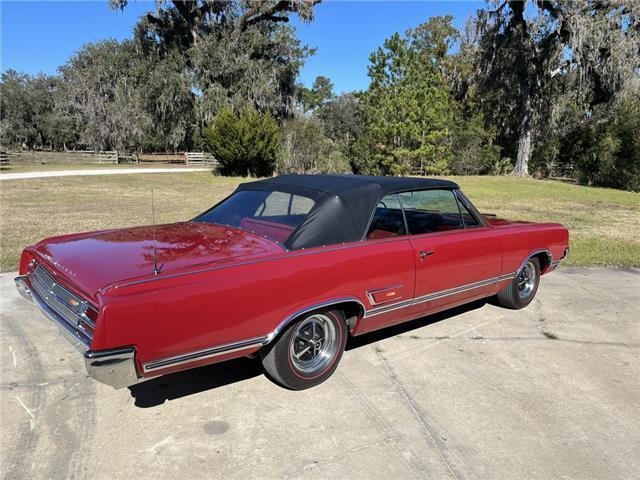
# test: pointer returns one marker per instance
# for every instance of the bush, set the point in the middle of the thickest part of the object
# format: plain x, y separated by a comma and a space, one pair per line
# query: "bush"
244, 144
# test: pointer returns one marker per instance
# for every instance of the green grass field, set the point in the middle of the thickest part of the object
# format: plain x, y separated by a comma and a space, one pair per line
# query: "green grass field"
604, 223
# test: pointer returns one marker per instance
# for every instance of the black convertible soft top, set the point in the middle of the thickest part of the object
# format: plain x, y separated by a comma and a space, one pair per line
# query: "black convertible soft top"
344, 203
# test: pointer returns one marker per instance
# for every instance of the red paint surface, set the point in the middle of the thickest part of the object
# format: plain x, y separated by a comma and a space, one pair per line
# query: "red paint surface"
238, 285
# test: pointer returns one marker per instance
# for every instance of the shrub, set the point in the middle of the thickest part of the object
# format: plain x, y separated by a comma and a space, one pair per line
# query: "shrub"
244, 144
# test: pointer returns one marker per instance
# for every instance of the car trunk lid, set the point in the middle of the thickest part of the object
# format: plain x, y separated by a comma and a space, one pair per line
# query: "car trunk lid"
96, 259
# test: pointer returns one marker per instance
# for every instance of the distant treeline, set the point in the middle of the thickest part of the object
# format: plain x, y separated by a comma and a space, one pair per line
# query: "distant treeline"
537, 87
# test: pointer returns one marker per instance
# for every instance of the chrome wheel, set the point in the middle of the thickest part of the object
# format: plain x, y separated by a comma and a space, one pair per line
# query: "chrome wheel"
527, 280
314, 344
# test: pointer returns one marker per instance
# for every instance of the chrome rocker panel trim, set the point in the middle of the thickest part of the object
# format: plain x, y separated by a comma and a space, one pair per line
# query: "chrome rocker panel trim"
116, 368
437, 295
205, 354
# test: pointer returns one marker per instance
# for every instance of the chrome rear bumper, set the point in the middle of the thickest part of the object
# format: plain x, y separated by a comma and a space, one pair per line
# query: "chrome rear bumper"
116, 368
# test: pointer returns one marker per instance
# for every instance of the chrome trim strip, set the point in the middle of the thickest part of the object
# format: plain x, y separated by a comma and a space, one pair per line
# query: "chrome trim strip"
536, 252
388, 308
455, 290
437, 295
310, 308
204, 354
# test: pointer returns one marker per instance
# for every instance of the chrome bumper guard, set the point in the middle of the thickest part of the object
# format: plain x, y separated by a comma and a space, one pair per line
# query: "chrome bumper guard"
116, 368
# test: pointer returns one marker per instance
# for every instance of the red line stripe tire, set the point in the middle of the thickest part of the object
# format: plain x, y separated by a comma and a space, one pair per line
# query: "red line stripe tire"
308, 351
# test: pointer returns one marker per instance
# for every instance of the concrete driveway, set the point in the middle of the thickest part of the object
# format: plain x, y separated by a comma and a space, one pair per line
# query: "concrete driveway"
552, 391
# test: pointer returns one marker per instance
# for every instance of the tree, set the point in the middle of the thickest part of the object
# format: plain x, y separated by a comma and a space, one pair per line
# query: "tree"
100, 84
28, 115
306, 149
318, 95
342, 118
186, 21
234, 52
167, 98
16, 116
606, 151
526, 52
244, 144
257, 68
407, 107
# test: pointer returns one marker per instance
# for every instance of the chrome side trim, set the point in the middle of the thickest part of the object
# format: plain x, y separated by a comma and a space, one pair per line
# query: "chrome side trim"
388, 308
437, 295
204, 354
310, 308
532, 254
453, 291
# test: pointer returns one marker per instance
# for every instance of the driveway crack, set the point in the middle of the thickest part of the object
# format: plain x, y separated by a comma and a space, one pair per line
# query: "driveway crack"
415, 410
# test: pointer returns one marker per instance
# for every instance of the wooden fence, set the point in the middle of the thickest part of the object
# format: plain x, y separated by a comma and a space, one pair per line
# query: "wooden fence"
90, 156
75, 156
200, 158
160, 157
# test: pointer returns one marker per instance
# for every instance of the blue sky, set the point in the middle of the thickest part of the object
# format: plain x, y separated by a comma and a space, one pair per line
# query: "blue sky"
40, 36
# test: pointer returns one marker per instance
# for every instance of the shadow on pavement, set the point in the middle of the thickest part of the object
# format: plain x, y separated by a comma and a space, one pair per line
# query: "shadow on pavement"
181, 384
368, 338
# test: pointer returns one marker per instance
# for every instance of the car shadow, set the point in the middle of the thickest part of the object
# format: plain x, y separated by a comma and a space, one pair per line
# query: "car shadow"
157, 391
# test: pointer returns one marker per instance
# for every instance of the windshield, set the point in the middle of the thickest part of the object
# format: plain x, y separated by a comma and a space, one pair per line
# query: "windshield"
269, 213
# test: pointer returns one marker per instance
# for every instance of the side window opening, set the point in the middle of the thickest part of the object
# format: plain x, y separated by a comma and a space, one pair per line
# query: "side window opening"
431, 211
468, 219
388, 219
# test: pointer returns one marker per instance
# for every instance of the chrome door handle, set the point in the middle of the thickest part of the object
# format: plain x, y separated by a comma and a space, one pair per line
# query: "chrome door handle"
424, 254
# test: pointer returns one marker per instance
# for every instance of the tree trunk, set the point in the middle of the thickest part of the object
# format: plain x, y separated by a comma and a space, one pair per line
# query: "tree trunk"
524, 142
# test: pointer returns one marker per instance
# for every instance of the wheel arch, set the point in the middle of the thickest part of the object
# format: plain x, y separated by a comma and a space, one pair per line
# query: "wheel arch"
352, 308
544, 256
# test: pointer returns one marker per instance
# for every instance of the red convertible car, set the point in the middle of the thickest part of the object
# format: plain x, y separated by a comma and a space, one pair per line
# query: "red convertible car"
285, 269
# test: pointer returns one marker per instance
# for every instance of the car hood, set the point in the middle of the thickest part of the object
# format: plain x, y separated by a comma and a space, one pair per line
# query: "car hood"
95, 260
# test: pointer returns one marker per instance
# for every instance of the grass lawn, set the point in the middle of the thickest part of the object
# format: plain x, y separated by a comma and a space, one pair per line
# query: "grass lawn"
604, 223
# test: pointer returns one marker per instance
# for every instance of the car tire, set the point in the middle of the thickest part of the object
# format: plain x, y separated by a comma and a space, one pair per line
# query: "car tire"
308, 351
520, 291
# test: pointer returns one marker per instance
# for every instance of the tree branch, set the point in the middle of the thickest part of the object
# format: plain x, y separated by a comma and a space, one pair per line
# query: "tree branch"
259, 13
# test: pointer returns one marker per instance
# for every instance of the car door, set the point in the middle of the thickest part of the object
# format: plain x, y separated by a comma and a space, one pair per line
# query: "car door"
457, 257
388, 297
